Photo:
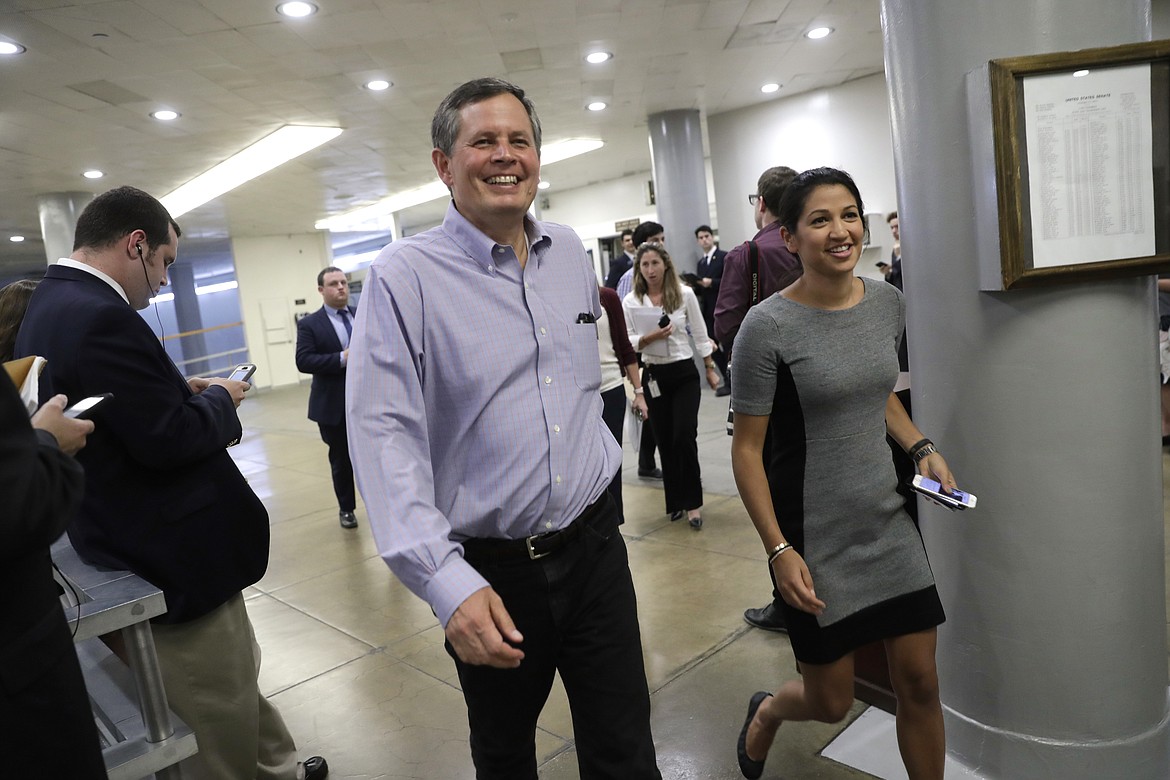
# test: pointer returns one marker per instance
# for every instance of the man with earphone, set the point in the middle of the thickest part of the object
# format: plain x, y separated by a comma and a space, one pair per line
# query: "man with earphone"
163, 499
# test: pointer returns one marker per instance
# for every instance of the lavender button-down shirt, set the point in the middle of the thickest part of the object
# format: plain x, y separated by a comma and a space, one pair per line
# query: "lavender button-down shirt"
472, 398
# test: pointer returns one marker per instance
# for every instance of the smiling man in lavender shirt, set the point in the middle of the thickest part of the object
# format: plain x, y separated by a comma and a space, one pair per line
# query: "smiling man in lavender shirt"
477, 437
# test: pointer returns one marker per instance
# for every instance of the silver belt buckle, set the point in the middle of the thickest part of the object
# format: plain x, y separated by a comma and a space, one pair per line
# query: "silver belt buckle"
532, 553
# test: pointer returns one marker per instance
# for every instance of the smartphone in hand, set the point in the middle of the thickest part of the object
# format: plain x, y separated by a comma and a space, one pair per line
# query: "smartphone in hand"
83, 408
951, 499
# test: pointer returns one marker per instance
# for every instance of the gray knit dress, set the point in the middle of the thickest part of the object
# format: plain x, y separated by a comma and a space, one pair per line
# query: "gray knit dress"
824, 377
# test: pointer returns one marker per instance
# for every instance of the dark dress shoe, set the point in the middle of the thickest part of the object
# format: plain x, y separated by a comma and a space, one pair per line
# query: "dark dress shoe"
768, 617
723, 390
747, 767
696, 522
348, 520
316, 767
650, 473
679, 515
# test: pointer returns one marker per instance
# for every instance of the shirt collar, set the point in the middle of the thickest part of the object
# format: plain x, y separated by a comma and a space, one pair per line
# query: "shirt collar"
769, 227
89, 269
482, 249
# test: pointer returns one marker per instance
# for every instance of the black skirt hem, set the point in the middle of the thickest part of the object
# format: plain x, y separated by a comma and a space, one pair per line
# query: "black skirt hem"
901, 615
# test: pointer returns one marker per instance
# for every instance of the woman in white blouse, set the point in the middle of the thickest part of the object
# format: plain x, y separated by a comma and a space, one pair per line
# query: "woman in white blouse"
671, 382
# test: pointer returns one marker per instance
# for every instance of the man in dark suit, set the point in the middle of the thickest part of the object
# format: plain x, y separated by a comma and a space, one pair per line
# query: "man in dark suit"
623, 262
322, 350
709, 272
163, 498
43, 701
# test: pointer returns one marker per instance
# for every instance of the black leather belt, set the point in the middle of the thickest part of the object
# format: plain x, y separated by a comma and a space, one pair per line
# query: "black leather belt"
533, 547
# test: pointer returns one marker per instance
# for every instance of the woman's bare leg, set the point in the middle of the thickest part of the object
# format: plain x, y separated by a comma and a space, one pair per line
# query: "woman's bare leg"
921, 739
824, 693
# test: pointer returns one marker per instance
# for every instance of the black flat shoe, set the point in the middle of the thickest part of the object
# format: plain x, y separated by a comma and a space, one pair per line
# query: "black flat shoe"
316, 768
679, 515
747, 767
696, 522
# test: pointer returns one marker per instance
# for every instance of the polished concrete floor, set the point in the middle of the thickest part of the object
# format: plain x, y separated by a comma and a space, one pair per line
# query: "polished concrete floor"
356, 663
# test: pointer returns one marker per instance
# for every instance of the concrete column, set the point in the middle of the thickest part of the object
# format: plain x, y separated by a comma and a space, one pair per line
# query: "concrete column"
680, 181
1053, 660
59, 212
181, 278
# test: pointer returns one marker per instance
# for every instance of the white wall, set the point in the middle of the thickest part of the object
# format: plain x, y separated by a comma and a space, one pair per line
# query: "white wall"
274, 272
592, 210
846, 127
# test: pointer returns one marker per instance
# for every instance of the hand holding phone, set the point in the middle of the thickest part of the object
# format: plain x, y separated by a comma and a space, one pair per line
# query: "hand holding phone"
70, 433
85, 407
243, 372
951, 498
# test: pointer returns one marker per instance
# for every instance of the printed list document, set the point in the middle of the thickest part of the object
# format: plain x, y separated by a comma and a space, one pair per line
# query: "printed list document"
1090, 165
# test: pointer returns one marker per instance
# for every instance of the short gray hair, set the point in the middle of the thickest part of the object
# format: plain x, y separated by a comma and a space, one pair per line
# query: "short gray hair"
445, 125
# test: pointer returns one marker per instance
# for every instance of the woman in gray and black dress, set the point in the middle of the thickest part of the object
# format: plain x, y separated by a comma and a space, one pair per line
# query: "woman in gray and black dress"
816, 364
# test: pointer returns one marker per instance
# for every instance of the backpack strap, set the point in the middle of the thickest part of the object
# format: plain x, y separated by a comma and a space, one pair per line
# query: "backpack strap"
754, 271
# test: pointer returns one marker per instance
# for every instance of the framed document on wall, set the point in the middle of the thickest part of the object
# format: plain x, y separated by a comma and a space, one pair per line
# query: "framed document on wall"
1082, 163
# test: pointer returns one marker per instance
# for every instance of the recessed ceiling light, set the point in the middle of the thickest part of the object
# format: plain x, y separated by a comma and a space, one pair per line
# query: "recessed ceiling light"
544, 185
94, 174
378, 85
1079, 73
296, 9
818, 32
598, 57
597, 105
16, 239
165, 115
768, 89
7, 47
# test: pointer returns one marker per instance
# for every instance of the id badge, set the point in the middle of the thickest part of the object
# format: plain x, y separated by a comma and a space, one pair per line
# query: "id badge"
652, 386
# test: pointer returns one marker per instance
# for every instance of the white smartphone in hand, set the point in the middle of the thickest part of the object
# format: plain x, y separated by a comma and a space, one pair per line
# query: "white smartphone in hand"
951, 499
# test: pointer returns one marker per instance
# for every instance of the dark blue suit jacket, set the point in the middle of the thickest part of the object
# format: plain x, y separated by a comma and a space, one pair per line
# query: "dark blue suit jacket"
617, 267
43, 702
317, 354
162, 497
714, 271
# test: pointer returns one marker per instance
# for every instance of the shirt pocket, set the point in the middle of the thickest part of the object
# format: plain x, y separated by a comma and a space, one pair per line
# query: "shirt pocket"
586, 361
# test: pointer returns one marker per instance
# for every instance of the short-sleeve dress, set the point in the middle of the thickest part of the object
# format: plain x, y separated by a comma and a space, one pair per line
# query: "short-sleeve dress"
824, 377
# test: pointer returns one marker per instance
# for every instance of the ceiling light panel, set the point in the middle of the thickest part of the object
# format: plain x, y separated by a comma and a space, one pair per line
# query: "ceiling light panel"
287, 143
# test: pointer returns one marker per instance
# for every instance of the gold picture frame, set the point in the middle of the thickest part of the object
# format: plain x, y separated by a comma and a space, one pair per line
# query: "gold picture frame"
1070, 205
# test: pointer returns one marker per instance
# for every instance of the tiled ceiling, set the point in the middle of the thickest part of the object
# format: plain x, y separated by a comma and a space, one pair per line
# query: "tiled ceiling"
80, 97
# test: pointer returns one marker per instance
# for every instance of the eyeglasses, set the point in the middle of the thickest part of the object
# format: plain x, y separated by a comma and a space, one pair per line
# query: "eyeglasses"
753, 199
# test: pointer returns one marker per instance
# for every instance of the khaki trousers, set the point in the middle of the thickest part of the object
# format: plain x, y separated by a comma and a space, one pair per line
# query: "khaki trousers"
210, 667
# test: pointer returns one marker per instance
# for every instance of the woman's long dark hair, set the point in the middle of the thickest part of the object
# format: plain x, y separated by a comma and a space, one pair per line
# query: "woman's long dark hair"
672, 298
13, 304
